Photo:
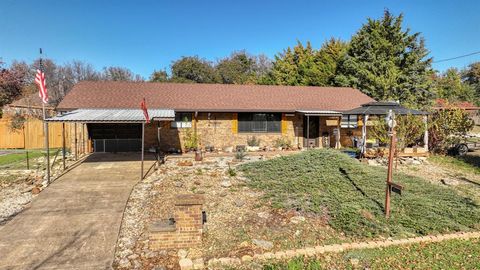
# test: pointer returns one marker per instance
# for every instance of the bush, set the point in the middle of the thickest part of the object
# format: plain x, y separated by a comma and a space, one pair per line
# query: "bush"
253, 141
446, 128
410, 130
283, 142
240, 155
191, 140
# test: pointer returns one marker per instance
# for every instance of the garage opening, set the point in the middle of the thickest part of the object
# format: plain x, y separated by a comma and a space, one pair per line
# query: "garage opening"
113, 138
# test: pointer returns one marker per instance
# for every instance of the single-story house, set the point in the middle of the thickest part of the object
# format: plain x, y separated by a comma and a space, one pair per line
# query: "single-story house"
218, 115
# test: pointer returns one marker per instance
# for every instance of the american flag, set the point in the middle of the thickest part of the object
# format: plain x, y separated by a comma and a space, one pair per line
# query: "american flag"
143, 105
42, 87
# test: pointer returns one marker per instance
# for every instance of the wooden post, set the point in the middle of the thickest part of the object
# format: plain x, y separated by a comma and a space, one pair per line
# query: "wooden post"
143, 148
25, 145
83, 138
364, 134
388, 191
63, 146
308, 131
337, 143
76, 145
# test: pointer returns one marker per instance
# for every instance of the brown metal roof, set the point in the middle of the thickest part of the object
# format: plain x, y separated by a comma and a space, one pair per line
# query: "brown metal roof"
211, 97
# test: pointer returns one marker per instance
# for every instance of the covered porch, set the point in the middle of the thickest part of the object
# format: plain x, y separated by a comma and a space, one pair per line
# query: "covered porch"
322, 129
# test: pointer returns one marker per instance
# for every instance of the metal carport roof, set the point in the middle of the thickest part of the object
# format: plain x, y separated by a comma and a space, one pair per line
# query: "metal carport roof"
112, 115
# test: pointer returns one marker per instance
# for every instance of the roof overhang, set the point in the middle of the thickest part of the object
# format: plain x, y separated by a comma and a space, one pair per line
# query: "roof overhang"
112, 116
320, 113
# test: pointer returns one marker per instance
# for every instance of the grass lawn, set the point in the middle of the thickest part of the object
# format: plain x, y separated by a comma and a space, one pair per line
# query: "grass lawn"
18, 159
351, 194
452, 254
468, 164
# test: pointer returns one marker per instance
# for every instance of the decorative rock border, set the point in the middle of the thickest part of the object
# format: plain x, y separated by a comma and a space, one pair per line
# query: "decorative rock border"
337, 248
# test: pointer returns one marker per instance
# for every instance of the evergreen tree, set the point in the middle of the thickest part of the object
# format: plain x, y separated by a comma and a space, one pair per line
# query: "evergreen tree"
328, 57
297, 66
388, 63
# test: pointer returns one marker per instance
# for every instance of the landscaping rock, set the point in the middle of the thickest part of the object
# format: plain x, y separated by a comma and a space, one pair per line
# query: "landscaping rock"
185, 163
36, 190
124, 263
182, 253
263, 244
198, 263
226, 184
297, 219
239, 203
178, 184
185, 264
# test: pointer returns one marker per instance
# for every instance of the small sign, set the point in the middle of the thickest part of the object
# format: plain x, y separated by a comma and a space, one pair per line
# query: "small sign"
396, 188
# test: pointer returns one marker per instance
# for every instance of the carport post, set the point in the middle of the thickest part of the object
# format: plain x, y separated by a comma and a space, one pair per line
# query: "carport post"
63, 145
143, 147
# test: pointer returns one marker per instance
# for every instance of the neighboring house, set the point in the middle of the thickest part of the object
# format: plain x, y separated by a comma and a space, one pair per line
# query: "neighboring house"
221, 115
28, 106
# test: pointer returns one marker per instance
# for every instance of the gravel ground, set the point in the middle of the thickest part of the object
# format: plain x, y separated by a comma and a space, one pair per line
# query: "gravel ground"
237, 222
19, 187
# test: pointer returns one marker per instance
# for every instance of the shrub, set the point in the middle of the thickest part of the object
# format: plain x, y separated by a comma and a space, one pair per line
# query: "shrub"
231, 172
190, 139
410, 130
240, 155
351, 194
283, 142
253, 141
446, 127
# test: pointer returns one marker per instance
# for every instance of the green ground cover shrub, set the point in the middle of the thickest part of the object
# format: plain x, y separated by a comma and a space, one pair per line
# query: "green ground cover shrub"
352, 194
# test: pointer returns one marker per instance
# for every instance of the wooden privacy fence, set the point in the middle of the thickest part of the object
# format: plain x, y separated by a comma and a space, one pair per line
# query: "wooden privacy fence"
32, 135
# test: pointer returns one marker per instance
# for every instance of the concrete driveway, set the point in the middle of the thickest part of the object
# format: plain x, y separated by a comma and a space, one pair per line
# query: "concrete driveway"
74, 223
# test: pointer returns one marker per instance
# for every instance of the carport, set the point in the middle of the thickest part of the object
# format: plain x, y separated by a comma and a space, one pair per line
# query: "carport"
115, 130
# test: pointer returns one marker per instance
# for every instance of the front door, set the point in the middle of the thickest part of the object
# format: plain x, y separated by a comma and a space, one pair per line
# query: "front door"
311, 131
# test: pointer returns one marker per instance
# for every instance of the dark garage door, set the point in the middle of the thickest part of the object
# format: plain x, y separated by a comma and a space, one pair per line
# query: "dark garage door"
116, 137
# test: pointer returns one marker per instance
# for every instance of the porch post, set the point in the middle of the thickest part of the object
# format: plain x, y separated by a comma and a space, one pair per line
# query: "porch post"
364, 134
143, 148
308, 131
338, 145
425, 135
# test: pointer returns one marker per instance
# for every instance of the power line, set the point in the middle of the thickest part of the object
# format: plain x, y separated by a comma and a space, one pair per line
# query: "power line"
453, 58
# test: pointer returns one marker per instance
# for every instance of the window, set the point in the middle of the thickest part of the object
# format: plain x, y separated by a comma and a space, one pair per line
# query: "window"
349, 123
259, 122
182, 120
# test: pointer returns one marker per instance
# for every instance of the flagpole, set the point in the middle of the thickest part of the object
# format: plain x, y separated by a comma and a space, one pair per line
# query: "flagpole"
45, 129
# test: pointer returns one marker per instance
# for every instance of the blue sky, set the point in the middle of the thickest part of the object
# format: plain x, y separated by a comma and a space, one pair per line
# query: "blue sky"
148, 35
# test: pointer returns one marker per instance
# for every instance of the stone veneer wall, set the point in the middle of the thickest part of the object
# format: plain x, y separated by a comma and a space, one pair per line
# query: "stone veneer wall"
219, 130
